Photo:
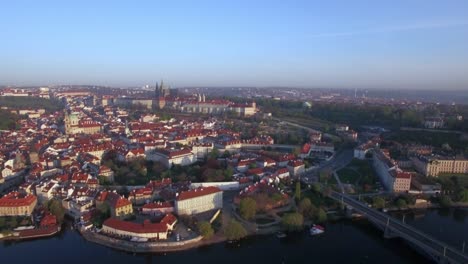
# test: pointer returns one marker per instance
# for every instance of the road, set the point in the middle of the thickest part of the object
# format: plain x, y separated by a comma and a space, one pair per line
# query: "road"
304, 127
405, 231
339, 160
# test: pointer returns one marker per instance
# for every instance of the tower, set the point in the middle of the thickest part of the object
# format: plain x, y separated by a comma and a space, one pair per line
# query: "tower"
71, 121
128, 132
156, 90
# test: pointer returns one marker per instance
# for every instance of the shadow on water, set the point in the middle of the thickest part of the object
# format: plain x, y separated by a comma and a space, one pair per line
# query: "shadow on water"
444, 212
344, 241
460, 215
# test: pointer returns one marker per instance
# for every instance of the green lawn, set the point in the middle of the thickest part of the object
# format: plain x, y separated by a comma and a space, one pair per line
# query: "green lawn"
314, 197
360, 173
348, 176
317, 199
311, 122
332, 180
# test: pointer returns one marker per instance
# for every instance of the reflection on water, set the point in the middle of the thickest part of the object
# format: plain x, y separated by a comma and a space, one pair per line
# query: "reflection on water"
447, 224
343, 242
460, 215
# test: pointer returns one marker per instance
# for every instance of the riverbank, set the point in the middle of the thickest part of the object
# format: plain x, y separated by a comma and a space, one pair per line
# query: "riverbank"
31, 233
337, 245
162, 247
429, 206
149, 247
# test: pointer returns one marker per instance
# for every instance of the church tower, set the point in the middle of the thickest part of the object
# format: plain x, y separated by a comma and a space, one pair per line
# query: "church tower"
71, 121
156, 90
128, 132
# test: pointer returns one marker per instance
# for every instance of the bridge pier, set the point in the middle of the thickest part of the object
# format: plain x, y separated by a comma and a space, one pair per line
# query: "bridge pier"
435, 250
388, 234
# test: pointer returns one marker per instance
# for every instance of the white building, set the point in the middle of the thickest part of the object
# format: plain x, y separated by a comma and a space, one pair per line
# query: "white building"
168, 157
322, 147
383, 166
45, 190
392, 177
434, 122
402, 181
201, 150
11, 170
360, 153
199, 200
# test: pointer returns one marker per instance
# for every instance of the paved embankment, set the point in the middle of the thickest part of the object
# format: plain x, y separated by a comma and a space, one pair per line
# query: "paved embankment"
144, 247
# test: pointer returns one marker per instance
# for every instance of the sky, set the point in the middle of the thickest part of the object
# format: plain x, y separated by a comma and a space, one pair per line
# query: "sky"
407, 44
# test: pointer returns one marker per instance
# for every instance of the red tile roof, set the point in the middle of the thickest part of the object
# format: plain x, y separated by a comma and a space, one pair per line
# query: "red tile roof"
114, 199
197, 192
49, 220
15, 199
403, 175
141, 192
169, 219
146, 227
159, 184
295, 163
158, 205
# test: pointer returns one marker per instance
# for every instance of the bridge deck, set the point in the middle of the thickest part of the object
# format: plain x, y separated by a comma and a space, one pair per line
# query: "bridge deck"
405, 231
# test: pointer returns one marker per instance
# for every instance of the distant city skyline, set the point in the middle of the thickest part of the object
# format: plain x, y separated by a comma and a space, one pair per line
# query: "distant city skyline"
335, 44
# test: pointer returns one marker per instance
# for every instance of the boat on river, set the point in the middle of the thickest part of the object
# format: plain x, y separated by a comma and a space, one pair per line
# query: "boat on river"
316, 230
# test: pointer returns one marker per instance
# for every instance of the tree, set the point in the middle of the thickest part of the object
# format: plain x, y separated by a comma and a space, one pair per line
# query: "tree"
445, 201
316, 187
296, 151
226, 154
214, 153
234, 230
307, 209
228, 172
400, 203
293, 221
324, 175
378, 202
321, 216
205, 229
104, 209
297, 193
248, 208
55, 207
101, 214
410, 199
103, 180
13, 223
2, 222
462, 195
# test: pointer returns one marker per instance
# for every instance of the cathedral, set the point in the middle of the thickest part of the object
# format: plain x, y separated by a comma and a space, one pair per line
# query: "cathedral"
162, 90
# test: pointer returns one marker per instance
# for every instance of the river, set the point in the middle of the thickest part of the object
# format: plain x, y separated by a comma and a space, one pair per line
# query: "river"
346, 241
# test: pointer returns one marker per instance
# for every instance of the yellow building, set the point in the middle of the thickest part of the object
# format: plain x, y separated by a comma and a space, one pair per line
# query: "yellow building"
119, 206
433, 166
15, 203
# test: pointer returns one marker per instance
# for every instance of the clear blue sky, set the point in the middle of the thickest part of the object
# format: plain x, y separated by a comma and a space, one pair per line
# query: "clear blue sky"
365, 44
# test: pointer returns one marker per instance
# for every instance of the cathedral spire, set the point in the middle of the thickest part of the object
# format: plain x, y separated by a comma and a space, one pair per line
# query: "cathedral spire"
156, 90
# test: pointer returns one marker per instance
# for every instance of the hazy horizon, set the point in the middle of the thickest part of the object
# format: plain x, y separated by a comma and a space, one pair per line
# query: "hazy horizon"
420, 45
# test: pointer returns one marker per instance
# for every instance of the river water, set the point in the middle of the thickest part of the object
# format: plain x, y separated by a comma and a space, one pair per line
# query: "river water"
346, 241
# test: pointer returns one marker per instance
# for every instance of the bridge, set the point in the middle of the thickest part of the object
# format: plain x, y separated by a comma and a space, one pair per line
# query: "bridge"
433, 248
